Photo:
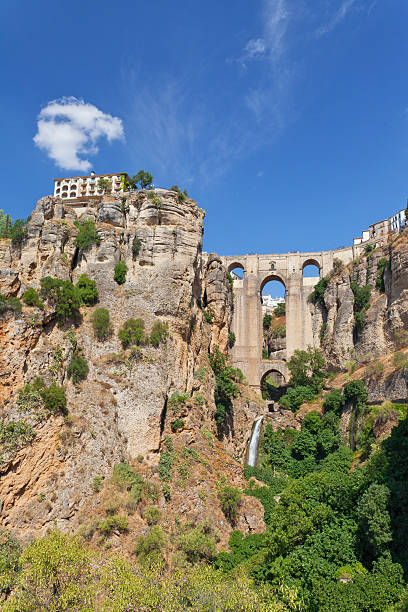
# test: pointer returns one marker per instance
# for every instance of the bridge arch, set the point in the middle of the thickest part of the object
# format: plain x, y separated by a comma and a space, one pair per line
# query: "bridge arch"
271, 277
311, 262
234, 265
269, 367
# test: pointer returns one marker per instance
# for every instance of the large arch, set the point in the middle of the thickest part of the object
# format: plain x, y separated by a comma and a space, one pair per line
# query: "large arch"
235, 264
272, 277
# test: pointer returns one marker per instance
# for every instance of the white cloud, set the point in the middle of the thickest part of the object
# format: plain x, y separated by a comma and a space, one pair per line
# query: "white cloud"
68, 130
275, 16
337, 18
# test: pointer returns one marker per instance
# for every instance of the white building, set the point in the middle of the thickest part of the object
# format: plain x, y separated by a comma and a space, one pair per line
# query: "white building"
79, 187
397, 221
381, 229
269, 303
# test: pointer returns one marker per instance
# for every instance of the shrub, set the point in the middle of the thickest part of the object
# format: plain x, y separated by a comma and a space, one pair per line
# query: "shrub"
199, 544
152, 515
167, 459
265, 354
230, 498
369, 248
295, 397
400, 360
334, 401
279, 332
280, 310
111, 523
355, 392
119, 275
176, 425
31, 298
101, 323
87, 234
97, 484
208, 316
317, 295
156, 200
18, 231
10, 551
322, 331
87, 290
136, 244
14, 435
381, 265
231, 339
361, 303
178, 399
401, 338
63, 295
225, 388
9, 303
375, 369
338, 265
151, 544
125, 477
230, 281
267, 321
54, 398
132, 332
159, 333
78, 369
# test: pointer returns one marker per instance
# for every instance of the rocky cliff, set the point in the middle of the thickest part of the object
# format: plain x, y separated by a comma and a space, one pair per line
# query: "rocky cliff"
126, 406
366, 345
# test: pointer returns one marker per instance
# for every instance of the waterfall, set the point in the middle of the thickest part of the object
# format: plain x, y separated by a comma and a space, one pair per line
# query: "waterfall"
254, 444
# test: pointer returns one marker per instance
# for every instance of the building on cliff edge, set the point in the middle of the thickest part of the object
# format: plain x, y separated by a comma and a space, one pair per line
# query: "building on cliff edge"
381, 229
75, 187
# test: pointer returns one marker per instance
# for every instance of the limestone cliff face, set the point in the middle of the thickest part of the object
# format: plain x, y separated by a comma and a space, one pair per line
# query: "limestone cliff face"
123, 409
386, 319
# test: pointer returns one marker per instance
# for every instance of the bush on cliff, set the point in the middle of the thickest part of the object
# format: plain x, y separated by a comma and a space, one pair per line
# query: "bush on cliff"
159, 333
78, 369
87, 235
63, 295
31, 298
87, 290
132, 332
101, 323
11, 304
225, 384
119, 274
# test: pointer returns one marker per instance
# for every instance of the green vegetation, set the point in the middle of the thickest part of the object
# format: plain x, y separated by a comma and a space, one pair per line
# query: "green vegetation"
338, 265
231, 339
149, 547
296, 396
159, 333
11, 304
230, 498
132, 333
230, 281
36, 395
136, 245
226, 389
381, 265
167, 459
208, 316
18, 231
199, 543
361, 304
14, 435
323, 331
265, 354
152, 515
308, 368
63, 295
105, 185
10, 551
87, 234
156, 200
119, 275
267, 320
142, 179
78, 368
279, 331
113, 523
176, 425
369, 248
31, 298
101, 323
87, 290
178, 399
317, 295
97, 484
280, 310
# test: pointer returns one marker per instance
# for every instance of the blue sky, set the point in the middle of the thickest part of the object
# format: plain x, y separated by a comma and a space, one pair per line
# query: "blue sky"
285, 119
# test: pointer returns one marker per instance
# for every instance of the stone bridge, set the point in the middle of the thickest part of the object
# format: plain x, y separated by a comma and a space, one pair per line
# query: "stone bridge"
247, 318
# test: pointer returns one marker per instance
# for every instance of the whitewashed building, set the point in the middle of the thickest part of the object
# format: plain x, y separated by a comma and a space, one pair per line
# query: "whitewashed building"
269, 303
398, 221
79, 187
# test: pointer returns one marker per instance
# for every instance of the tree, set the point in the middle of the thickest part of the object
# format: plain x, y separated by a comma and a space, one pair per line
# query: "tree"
78, 369
120, 272
87, 234
144, 178
87, 290
308, 368
64, 295
280, 310
101, 323
267, 321
355, 393
132, 332
31, 298
105, 185
374, 522
18, 231
334, 401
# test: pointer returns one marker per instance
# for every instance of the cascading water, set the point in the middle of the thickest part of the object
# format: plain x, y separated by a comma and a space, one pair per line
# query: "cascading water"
254, 444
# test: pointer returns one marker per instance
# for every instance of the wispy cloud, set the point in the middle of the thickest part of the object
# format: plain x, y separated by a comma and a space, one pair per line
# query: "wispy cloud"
337, 18
270, 44
68, 130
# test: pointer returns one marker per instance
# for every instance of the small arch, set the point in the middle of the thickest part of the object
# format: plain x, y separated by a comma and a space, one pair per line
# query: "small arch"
269, 278
273, 386
65, 188
237, 270
311, 268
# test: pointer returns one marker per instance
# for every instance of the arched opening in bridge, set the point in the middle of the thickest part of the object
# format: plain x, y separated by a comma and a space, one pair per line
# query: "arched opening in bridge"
311, 269
236, 271
273, 299
272, 388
